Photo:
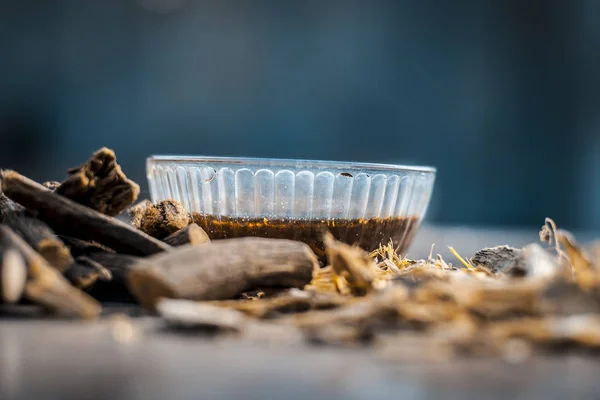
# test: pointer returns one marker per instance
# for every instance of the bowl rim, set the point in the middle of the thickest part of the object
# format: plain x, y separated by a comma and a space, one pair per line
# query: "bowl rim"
289, 162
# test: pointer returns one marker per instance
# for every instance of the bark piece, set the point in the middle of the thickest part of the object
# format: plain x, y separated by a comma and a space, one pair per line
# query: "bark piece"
71, 219
42, 239
496, 259
223, 270
100, 184
13, 274
162, 219
191, 234
47, 286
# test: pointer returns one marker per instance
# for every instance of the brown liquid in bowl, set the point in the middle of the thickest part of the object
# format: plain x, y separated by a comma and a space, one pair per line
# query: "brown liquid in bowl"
367, 233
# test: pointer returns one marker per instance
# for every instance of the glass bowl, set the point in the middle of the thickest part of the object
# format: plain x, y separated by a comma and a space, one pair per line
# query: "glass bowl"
359, 203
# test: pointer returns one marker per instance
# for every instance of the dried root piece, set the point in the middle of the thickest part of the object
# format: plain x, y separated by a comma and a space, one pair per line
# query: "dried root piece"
119, 266
188, 314
100, 184
222, 270
191, 234
496, 259
71, 219
7, 206
85, 272
52, 185
354, 271
43, 239
162, 219
80, 247
13, 274
47, 286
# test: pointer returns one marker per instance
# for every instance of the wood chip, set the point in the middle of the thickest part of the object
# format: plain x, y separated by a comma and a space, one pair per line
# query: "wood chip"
195, 315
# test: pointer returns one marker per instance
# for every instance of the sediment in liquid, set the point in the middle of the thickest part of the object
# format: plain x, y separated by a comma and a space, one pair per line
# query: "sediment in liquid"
367, 233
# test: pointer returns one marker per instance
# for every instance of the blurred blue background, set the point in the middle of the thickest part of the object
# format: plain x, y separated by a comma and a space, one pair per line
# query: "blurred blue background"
501, 95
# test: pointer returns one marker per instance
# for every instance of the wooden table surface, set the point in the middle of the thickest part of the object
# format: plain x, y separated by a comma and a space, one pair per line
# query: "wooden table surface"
111, 359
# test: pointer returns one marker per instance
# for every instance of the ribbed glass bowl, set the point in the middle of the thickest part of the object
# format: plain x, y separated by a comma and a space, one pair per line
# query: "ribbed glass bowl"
360, 203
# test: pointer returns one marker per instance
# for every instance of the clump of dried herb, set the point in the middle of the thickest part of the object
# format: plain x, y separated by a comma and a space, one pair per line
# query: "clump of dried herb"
160, 220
